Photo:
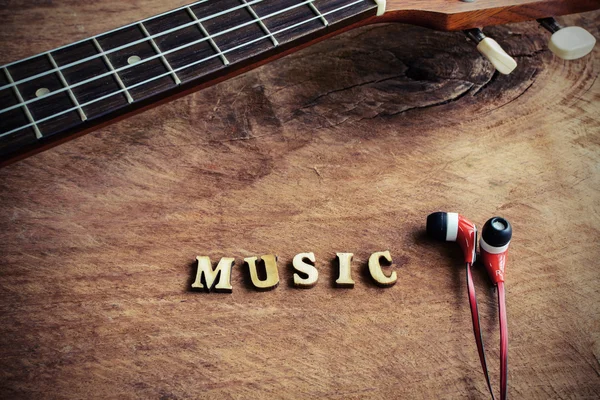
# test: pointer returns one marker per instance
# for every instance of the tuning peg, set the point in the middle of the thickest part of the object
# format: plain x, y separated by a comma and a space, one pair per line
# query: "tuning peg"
491, 50
568, 43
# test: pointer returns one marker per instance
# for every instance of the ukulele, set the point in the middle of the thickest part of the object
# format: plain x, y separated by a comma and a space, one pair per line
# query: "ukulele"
61, 94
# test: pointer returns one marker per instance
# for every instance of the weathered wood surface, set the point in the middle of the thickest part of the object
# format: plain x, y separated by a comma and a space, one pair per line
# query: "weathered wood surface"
342, 147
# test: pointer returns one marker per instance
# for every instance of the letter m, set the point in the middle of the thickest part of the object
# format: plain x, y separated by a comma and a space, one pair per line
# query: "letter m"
223, 271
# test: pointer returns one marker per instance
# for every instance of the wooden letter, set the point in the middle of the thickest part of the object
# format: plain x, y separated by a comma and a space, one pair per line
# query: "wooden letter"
272, 279
377, 273
301, 266
210, 275
345, 277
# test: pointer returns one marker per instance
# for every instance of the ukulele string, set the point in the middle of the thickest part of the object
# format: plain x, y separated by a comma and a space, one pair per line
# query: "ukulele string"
107, 32
145, 39
174, 70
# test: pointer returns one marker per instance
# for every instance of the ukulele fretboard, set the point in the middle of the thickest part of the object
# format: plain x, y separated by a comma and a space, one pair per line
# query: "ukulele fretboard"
72, 88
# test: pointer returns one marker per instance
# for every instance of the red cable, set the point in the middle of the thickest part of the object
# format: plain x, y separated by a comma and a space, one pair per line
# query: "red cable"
503, 341
479, 339
477, 327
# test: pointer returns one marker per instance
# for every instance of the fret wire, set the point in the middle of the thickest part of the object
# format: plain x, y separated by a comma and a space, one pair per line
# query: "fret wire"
163, 53
182, 67
179, 27
261, 23
317, 17
110, 66
104, 33
65, 84
316, 11
162, 57
206, 34
32, 122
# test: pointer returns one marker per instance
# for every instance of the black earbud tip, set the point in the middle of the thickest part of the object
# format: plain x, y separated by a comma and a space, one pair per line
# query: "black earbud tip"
437, 225
497, 232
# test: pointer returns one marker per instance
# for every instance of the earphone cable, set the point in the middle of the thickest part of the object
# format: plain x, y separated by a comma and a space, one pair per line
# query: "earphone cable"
477, 327
503, 341
479, 338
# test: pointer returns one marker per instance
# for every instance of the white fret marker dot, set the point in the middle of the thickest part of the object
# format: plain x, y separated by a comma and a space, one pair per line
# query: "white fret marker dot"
42, 92
133, 60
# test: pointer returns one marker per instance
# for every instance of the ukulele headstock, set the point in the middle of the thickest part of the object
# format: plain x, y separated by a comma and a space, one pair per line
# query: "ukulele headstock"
471, 15
455, 15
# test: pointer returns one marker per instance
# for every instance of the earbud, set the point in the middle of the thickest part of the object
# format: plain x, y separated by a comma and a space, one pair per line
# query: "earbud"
493, 247
453, 227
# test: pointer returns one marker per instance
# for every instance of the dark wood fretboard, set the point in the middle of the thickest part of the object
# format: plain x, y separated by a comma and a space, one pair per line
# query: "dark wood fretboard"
56, 95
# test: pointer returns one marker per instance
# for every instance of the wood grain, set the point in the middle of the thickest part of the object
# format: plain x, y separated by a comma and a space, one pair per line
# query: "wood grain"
94, 114
343, 147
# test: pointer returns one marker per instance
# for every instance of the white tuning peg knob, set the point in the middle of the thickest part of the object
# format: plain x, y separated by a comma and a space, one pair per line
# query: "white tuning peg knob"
504, 63
568, 43
491, 50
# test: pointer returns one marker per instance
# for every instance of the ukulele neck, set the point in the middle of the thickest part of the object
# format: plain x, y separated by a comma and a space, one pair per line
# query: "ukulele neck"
54, 96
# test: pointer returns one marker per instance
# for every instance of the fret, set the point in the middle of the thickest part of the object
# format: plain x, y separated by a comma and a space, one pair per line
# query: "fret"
66, 85
43, 94
234, 28
337, 10
206, 34
290, 14
13, 120
185, 45
317, 12
36, 129
261, 23
91, 79
116, 76
162, 57
136, 63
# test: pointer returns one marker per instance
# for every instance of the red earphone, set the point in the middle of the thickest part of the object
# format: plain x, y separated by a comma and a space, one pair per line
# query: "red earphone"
453, 227
493, 246
495, 238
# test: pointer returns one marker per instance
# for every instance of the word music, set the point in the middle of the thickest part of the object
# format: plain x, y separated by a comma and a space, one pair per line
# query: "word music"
219, 278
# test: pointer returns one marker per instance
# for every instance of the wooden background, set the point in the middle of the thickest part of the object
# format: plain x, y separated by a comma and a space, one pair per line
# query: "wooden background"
343, 147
